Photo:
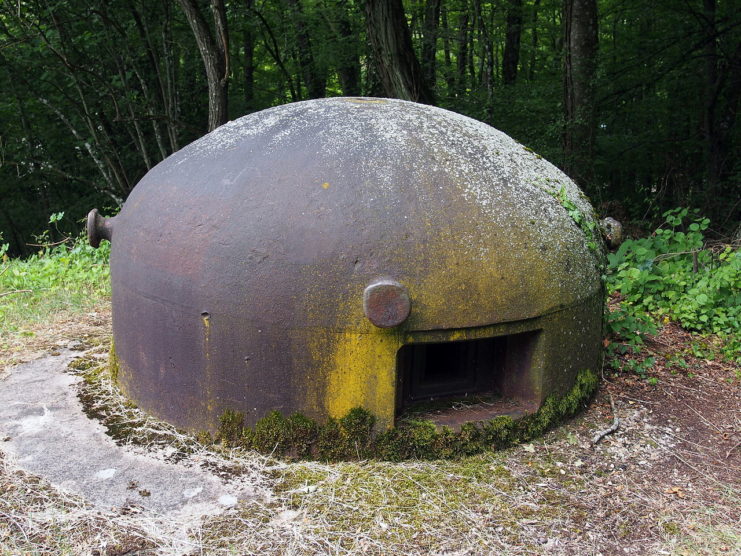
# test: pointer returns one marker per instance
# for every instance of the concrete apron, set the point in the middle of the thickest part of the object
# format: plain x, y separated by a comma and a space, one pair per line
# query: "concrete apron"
45, 432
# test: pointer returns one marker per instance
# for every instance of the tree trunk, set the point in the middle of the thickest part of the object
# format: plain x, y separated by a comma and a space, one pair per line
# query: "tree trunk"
580, 56
471, 56
170, 60
248, 42
397, 65
712, 88
429, 40
214, 53
348, 59
511, 56
448, 70
533, 41
159, 98
487, 62
315, 82
271, 45
462, 56
722, 89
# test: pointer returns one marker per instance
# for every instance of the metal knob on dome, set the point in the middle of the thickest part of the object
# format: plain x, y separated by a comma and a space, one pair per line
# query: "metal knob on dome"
98, 228
386, 303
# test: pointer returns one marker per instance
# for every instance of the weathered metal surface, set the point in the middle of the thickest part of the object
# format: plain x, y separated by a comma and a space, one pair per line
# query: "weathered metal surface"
612, 231
239, 264
386, 303
98, 228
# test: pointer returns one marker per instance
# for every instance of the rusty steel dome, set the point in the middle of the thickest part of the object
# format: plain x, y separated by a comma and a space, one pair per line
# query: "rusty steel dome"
335, 253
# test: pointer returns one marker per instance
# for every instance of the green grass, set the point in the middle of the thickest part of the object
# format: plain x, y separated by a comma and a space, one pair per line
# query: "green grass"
69, 278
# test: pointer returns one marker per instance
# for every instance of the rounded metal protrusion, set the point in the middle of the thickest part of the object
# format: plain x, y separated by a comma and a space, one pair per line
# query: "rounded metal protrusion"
386, 303
612, 231
98, 228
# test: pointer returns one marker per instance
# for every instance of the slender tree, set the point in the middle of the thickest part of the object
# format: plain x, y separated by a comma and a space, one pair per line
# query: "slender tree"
533, 41
346, 47
248, 45
429, 40
214, 49
448, 74
580, 59
314, 79
462, 54
487, 58
511, 55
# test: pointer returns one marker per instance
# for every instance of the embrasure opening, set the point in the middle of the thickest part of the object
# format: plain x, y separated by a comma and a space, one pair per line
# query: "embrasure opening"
467, 380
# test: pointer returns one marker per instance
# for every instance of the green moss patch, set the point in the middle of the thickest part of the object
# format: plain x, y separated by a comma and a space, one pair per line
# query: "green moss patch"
113, 362
352, 437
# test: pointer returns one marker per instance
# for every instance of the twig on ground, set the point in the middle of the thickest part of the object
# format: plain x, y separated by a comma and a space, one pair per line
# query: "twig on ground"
703, 419
696, 470
729, 452
615, 424
3, 294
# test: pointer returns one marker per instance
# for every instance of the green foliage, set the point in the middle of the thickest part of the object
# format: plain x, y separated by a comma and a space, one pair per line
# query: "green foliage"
587, 225
629, 326
353, 436
84, 118
674, 275
67, 277
56, 217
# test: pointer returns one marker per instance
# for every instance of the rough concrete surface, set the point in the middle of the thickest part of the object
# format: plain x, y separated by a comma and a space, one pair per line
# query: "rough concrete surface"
43, 428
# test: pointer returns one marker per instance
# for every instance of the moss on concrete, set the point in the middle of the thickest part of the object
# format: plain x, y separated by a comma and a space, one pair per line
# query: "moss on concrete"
353, 437
113, 362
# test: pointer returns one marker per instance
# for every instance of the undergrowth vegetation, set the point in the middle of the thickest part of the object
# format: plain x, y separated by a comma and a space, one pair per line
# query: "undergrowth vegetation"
70, 276
675, 274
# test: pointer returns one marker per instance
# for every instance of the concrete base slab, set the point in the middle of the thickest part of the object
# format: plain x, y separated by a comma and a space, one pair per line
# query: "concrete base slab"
44, 430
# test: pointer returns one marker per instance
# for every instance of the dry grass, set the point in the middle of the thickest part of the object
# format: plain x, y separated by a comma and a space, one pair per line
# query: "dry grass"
559, 495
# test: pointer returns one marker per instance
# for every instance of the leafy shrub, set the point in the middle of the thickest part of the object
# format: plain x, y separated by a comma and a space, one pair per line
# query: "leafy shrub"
673, 274
627, 329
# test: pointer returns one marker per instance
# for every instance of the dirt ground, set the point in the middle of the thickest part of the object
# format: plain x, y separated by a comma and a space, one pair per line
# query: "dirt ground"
665, 482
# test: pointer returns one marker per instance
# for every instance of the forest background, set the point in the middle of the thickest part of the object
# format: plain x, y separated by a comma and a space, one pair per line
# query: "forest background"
637, 100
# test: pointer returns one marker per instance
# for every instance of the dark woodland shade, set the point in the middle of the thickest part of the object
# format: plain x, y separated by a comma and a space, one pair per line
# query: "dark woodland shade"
636, 100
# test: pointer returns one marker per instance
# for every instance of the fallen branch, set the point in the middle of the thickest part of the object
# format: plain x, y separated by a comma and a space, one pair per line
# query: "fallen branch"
3, 294
47, 245
615, 424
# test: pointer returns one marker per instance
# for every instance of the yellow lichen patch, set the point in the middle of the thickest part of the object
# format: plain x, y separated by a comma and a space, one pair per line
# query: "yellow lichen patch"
208, 374
124, 377
113, 361
362, 373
